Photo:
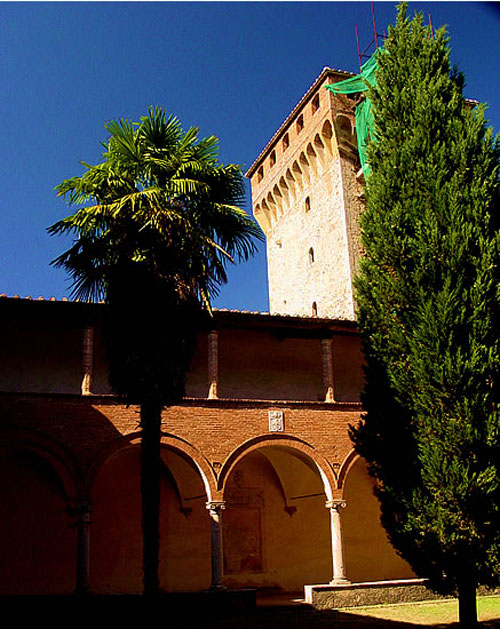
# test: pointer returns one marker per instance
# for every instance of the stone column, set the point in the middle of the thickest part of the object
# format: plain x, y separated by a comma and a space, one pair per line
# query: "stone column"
213, 364
215, 509
335, 506
88, 360
82, 512
327, 362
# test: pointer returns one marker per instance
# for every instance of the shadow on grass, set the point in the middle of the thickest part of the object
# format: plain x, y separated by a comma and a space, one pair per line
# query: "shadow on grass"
186, 612
306, 617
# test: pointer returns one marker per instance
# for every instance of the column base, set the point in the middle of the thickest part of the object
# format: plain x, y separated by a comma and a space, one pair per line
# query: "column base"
217, 588
343, 581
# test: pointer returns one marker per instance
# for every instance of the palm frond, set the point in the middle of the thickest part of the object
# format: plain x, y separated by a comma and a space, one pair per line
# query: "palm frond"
207, 150
158, 132
160, 200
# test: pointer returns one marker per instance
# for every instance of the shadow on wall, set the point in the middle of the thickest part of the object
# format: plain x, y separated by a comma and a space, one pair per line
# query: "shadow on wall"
116, 548
37, 554
368, 553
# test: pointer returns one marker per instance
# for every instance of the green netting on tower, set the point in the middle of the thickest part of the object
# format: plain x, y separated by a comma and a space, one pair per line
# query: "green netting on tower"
363, 111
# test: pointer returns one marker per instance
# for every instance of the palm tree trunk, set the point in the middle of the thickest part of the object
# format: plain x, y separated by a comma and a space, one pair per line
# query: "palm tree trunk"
150, 492
467, 609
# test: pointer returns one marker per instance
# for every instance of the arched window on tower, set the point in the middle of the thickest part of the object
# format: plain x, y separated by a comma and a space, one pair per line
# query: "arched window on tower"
314, 309
307, 204
311, 256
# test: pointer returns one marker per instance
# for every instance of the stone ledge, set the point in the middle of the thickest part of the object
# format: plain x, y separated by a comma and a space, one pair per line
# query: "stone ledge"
328, 596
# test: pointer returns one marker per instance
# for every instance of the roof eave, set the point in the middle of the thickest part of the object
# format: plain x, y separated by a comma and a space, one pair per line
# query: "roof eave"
326, 71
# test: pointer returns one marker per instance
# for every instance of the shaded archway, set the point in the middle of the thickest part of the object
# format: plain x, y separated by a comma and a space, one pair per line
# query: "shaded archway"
276, 527
292, 184
298, 175
313, 159
185, 526
116, 536
327, 137
368, 554
273, 208
285, 193
319, 147
262, 218
279, 200
37, 487
306, 168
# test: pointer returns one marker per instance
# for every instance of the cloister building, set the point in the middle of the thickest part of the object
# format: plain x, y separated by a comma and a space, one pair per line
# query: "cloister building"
260, 483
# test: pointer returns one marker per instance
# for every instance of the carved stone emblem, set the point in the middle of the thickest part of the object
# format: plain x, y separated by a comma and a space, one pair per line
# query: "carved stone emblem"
276, 421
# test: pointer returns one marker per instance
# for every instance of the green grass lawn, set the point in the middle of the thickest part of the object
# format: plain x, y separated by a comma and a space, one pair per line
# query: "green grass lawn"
437, 613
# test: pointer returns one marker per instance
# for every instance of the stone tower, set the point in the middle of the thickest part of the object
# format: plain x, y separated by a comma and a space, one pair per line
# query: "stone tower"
307, 195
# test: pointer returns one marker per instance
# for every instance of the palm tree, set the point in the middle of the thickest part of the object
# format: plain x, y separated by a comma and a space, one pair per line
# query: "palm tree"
161, 218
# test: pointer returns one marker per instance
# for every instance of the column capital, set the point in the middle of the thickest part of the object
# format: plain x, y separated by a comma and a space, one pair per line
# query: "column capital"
215, 505
80, 508
336, 505
217, 556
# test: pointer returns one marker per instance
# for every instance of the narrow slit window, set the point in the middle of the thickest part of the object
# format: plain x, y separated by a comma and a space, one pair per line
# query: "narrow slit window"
286, 142
272, 159
311, 256
314, 309
307, 204
260, 174
300, 123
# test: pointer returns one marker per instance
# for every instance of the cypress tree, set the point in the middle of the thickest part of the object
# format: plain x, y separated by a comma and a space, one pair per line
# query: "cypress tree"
428, 310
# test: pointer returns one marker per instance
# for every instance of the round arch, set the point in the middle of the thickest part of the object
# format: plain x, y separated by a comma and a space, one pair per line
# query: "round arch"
313, 159
183, 448
285, 192
262, 217
52, 452
298, 175
187, 483
345, 467
319, 147
40, 484
275, 526
305, 167
279, 200
343, 123
271, 202
327, 136
322, 466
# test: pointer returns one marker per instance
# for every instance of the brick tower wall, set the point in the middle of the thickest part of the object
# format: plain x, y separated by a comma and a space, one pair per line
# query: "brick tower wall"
307, 200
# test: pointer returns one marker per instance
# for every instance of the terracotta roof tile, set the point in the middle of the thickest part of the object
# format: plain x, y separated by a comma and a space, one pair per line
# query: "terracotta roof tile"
248, 313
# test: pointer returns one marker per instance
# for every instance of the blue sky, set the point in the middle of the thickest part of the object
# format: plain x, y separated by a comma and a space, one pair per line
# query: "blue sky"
235, 69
